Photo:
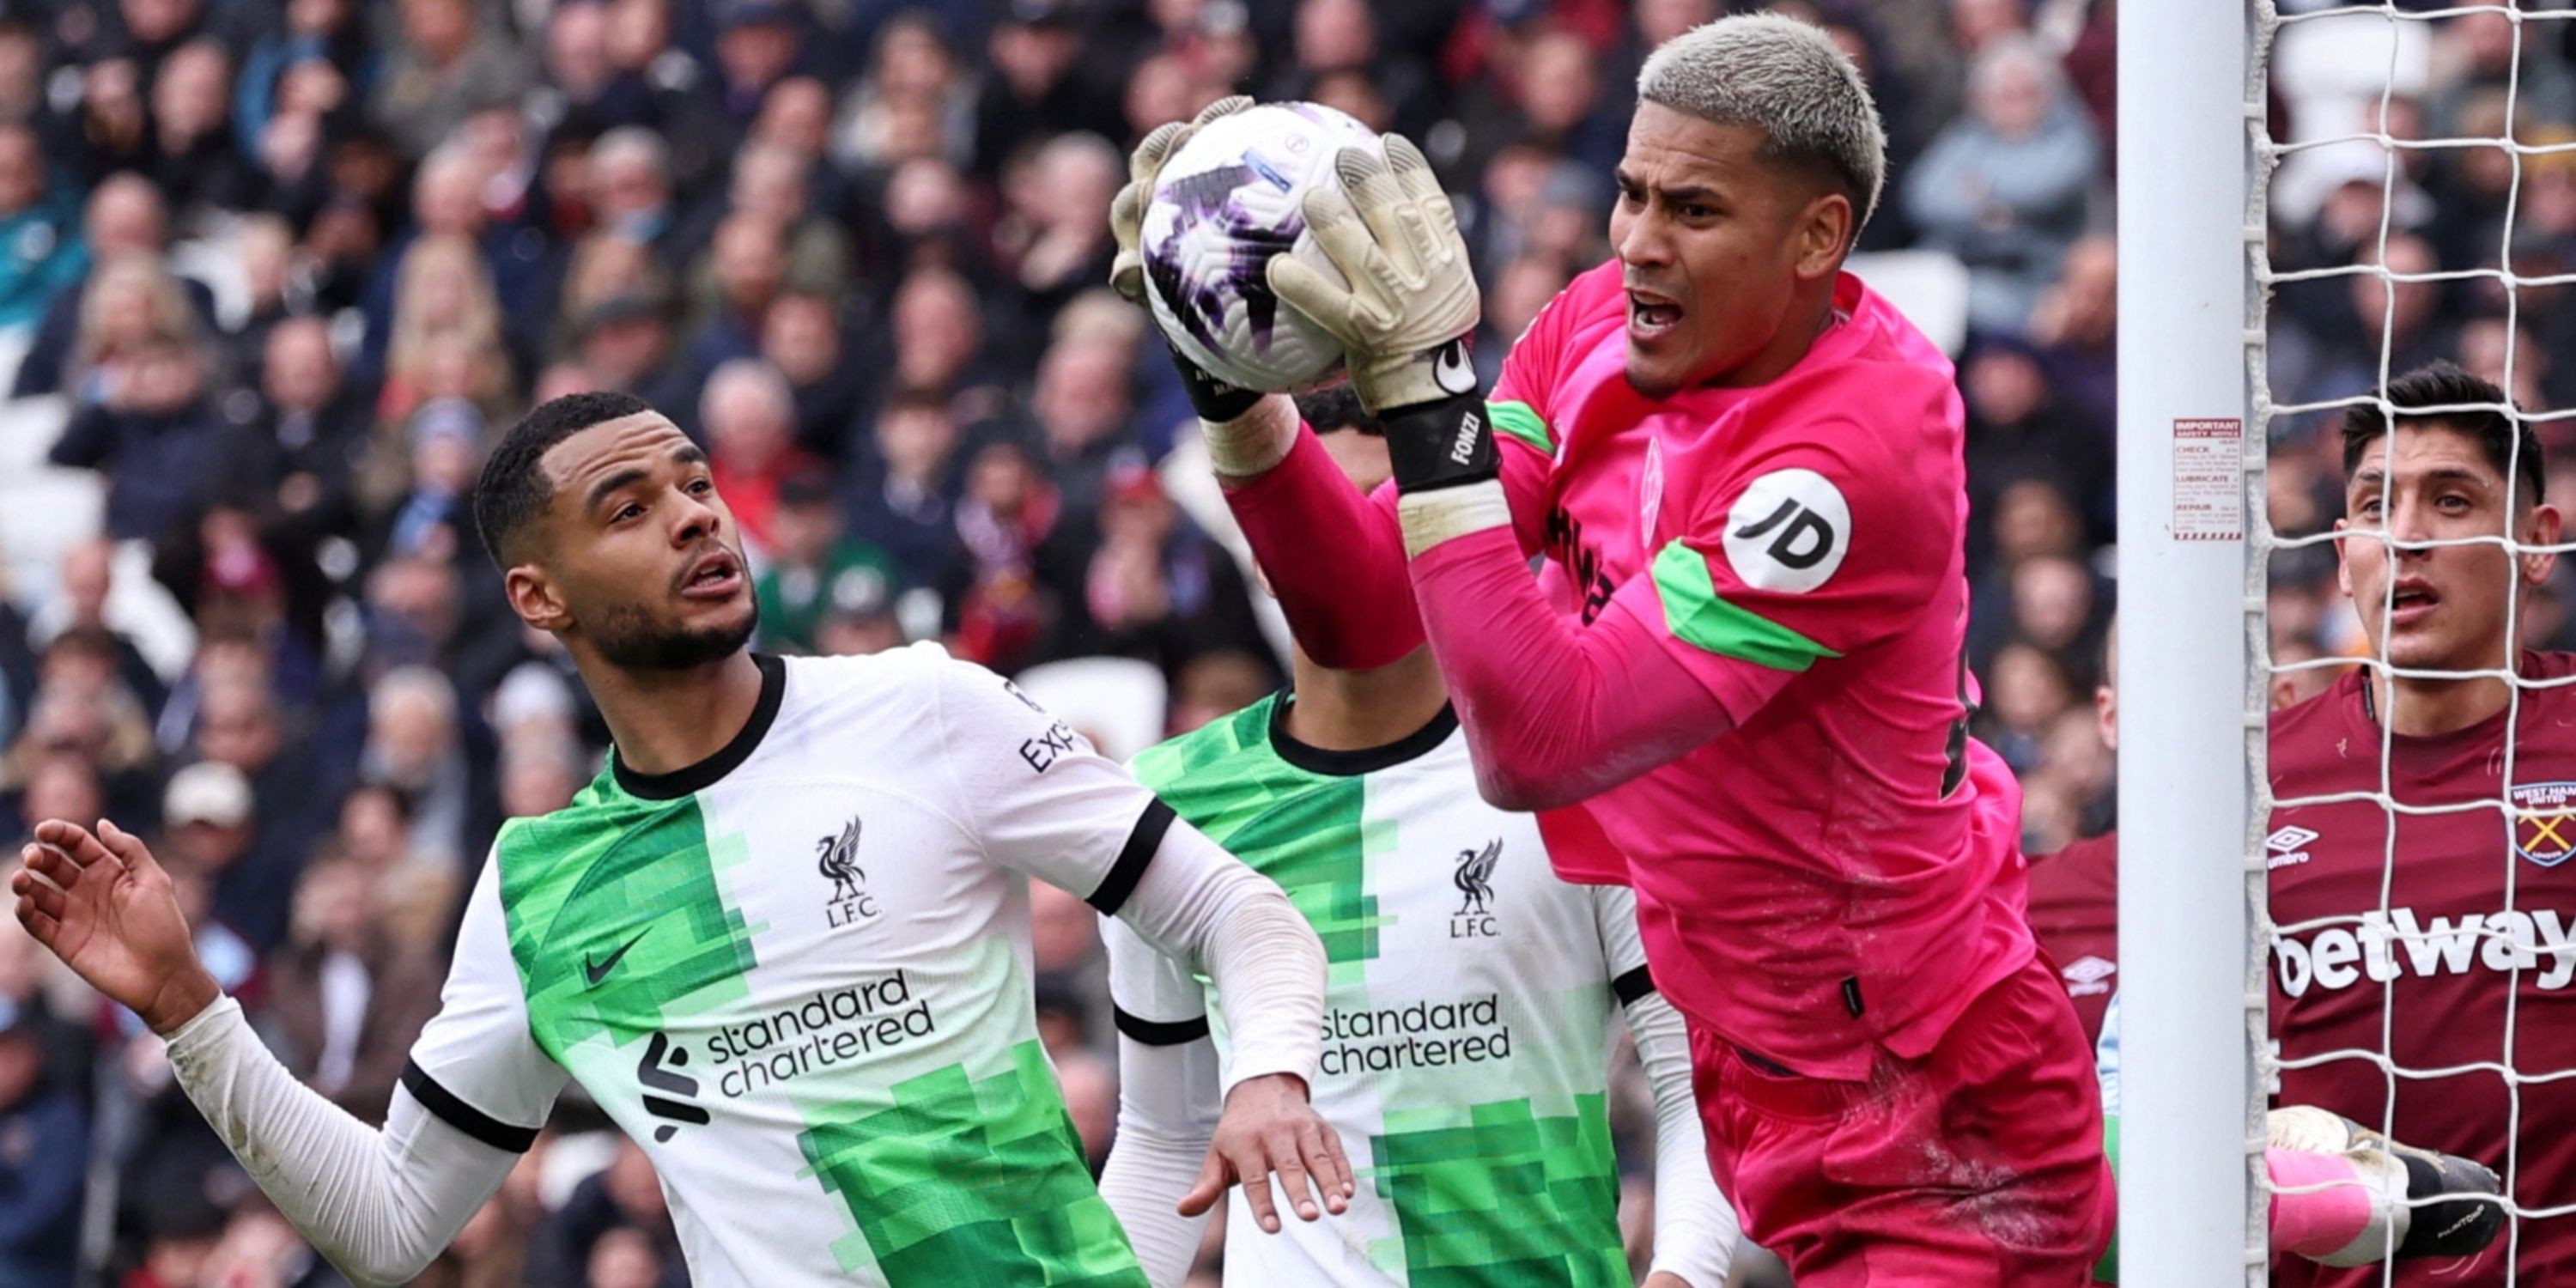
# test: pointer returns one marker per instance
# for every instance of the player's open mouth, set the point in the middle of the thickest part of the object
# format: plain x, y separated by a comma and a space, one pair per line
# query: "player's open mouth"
716, 575
2413, 602
1650, 315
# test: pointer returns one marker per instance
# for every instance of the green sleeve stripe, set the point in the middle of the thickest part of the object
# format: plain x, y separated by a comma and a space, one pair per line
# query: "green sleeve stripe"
1521, 421
1694, 613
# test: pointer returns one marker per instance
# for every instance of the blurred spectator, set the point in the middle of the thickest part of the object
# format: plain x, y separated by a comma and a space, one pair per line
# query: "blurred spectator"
904, 509
623, 1197
1084, 415
1000, 590
430, 516
348, 999
446, 336
80, 621
2075, 328
415, 745
2018, 428
1154, 588
211, 829
1041, 82
1055, 241
447, 67
190, 154
144, 422
2005, 188
125, 220
814, 568
750, 418
44, 1149
40, 247
938, 336
303, 442
410, 890
802, 336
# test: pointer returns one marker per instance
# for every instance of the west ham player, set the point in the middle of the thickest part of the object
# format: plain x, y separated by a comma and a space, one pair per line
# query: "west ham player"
2075, 892
783, 940
1741, 659
2456, 939
1467, 1018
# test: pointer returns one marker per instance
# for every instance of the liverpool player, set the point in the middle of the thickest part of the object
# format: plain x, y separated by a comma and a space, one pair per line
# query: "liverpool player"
1467, 1017
1737, 683
2450, 945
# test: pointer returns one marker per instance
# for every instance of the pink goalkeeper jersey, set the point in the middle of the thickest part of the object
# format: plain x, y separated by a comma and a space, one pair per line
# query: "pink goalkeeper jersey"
1844, 868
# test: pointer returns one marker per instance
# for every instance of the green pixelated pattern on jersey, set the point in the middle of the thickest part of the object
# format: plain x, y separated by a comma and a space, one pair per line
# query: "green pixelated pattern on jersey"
1304, 831
616, 920
963, 1182
1498, 1195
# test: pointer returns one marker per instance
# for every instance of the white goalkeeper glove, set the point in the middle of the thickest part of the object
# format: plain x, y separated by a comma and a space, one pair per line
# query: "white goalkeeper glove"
1404, 317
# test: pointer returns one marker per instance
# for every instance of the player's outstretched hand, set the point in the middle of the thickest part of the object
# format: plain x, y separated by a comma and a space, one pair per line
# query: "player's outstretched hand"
1127, 212
1269, 1128
1411, 298
102, 903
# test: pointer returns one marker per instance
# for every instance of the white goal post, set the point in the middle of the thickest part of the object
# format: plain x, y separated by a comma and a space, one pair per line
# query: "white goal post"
2192, 1002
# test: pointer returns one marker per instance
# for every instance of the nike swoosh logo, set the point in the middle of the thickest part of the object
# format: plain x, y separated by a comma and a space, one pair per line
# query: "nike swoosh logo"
597, 971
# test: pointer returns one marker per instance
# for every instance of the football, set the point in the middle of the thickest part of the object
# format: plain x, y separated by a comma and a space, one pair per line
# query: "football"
1222, 206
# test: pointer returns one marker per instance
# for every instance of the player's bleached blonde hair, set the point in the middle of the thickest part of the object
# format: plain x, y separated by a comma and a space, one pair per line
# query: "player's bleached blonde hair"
1784, 78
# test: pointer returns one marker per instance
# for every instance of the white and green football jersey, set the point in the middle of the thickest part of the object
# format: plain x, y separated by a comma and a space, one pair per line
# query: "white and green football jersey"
798, 975
1467, 1022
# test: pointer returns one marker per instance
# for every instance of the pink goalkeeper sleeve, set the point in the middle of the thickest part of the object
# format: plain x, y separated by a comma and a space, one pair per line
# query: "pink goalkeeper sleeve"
1335, 557
1554, 712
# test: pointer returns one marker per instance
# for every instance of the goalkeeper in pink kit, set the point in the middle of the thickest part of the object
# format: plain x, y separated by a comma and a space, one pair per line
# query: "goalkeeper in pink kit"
1736, 683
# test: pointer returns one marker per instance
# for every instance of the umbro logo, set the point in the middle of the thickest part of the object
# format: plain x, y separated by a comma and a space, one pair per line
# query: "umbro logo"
594, 971
2088, 976
2287, 847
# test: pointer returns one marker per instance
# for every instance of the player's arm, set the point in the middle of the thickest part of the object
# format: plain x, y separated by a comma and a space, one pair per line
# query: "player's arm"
1334, 555
1170, 1100
378, 1203
1044, 803
1696, 1229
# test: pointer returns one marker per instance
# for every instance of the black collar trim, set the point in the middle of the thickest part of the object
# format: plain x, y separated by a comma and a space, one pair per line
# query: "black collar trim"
1365, 760
728, 758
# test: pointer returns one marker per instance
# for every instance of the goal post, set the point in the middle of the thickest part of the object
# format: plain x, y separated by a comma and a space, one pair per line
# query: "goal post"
2192, 1006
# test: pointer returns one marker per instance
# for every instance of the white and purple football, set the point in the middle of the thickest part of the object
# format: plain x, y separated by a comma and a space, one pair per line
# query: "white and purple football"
1222, 206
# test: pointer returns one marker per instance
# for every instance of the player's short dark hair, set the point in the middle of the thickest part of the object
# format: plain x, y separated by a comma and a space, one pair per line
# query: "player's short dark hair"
513, 491
1338, 407
2490, 418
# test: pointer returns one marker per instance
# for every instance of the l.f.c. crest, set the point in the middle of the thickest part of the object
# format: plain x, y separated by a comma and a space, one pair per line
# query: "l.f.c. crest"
1475, 881
837, 858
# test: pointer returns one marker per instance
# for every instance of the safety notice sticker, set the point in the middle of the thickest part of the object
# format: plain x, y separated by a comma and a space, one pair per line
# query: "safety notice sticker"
2208, 480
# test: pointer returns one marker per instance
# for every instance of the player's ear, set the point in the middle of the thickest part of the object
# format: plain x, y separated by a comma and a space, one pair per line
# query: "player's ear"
536, 598
1824, 235
2540, 529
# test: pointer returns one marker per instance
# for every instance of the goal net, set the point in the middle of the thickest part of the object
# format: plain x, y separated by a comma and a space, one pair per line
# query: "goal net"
2401, 185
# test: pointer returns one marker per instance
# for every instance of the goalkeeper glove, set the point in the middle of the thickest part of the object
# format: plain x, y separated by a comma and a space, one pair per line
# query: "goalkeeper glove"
1404, 316
1215, 401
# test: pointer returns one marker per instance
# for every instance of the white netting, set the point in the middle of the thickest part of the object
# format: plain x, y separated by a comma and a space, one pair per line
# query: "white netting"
2358, 85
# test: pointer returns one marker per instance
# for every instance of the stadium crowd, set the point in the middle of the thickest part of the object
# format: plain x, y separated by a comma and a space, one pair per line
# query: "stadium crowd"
280, 272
